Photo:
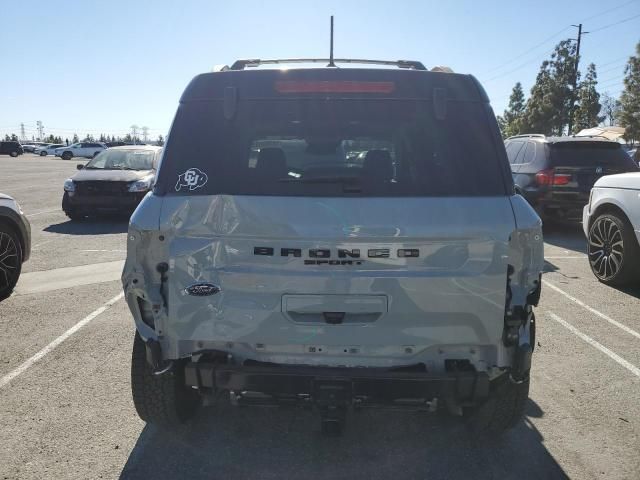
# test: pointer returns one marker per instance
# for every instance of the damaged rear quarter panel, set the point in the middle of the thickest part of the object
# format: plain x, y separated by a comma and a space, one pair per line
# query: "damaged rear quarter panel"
526, 252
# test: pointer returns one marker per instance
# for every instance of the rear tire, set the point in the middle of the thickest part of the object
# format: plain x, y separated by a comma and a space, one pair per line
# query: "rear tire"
43, 154
14, 154
614, 254
10, 259
74, 215
160, 399
503, 410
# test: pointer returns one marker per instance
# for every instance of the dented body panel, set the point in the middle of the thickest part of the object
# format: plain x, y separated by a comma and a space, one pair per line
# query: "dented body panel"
282, 264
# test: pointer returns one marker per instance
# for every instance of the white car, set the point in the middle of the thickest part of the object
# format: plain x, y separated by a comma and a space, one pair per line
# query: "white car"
611, 222
80, 149
48, 149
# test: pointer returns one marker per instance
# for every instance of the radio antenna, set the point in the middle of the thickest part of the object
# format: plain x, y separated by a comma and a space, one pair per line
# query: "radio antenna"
331, 64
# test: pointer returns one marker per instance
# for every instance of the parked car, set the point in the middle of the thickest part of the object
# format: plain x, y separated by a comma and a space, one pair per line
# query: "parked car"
31, 146
114, 181
11, 148
81, 149
611, 222
268, 265
48, 149
15, 243
555, 174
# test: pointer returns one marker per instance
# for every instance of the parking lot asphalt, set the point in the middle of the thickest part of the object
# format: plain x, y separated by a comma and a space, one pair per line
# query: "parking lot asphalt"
66, 409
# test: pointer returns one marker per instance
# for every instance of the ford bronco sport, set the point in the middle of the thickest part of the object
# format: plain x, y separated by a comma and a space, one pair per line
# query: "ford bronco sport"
338, 238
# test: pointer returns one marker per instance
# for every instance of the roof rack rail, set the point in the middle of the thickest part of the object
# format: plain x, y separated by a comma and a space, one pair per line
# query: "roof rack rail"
255, 62
529, 135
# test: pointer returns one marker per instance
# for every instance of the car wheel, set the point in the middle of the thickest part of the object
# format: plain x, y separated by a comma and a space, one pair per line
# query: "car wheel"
613, 249
13, 153
160, 399
74, 215
10, 260
67, 156
43, 154
502, 410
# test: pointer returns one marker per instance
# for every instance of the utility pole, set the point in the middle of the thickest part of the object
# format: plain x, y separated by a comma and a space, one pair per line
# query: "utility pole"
145, 134
22, 135
134, 132
40, 130
575, 77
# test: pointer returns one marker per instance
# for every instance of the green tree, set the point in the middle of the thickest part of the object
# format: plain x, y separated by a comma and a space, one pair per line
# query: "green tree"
630, 99
511, 120
610, 109
7, 138
548, 107
587, 113
75, 138
14, 137
160, 140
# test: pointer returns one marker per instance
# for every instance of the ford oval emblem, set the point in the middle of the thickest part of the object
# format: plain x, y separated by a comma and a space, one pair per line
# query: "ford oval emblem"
202, 289
598, 170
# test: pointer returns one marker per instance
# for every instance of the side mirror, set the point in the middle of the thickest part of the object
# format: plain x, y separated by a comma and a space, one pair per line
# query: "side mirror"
79, 166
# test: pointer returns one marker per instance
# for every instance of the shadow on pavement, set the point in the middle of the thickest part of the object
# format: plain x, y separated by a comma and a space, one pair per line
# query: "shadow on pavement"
91, 226
568, 236
286, 443
633, 290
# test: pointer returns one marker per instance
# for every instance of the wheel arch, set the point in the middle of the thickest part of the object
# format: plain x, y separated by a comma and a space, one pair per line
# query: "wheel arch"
13, 224
609, 207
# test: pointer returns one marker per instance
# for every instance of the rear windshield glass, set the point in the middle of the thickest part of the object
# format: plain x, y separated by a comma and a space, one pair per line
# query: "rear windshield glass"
311, 147
577, 154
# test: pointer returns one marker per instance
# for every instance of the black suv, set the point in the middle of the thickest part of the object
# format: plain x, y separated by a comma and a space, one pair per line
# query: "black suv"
11, 148
555, 174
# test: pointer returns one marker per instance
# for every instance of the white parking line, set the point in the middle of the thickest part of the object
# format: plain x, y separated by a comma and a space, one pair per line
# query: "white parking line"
632, 368
29, 362
565, 257
593, 310
44, 211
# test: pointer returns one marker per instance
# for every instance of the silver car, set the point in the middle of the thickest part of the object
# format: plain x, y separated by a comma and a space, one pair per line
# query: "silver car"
15, 243
336, 238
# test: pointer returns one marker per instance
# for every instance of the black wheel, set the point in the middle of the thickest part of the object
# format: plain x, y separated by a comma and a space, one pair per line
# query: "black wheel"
10, 260
613, 250
160, 399
67, 155
14, 154
43, 153
503, 410
74, 215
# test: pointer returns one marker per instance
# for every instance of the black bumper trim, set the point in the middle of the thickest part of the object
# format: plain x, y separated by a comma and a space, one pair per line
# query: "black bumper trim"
368, 385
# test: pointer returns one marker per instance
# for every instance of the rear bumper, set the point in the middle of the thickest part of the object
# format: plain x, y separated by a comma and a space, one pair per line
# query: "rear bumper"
107, 203
352, 386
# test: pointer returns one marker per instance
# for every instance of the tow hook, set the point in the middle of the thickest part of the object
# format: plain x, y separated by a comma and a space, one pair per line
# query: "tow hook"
332, 398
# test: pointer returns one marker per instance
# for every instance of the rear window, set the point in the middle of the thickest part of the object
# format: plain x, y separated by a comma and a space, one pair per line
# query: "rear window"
332, 147
578, 154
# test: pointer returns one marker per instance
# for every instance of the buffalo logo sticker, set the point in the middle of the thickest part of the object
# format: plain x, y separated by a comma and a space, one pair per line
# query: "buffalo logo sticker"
191, 179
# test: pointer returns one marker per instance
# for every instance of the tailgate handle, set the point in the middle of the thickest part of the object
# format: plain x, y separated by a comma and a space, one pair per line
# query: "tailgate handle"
333, 318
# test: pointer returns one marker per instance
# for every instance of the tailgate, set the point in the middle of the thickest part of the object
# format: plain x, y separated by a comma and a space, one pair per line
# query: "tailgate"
385, 273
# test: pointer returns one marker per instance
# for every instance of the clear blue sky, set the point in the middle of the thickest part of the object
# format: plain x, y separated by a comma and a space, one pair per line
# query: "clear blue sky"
98, 66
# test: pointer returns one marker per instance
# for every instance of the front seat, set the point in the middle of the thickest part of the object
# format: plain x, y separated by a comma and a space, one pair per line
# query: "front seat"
377, 166
271, 164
